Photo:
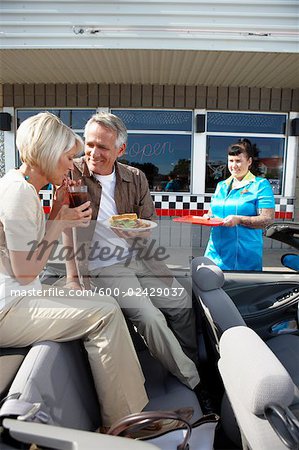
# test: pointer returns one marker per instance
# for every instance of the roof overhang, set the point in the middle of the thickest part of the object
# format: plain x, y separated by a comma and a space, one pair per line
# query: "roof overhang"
191, 42
163, 67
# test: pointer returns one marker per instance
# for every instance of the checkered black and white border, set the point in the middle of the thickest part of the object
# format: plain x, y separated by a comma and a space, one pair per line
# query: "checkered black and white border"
179, 205
46, 199
184, 204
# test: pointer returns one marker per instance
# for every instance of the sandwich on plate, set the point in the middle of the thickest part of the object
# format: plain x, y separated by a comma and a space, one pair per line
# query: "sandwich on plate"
127, 221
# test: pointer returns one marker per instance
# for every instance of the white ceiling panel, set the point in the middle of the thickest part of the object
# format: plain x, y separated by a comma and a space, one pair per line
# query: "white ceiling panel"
168, 67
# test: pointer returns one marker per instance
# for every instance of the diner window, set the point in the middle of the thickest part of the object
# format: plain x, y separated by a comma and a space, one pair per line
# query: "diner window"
160, 144
265, 131
74, 118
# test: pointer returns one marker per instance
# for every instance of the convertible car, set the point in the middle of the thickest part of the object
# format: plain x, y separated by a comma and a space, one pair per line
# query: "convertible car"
249, 357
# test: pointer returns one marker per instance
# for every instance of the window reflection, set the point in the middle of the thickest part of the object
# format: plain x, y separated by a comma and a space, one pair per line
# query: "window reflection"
74, 118
164, 158
246, 123
269, 163
160, 144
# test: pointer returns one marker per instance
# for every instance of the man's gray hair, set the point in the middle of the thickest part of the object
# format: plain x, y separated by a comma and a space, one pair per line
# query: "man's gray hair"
113, 123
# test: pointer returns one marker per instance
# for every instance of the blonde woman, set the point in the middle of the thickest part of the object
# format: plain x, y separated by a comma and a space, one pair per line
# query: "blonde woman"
47, 148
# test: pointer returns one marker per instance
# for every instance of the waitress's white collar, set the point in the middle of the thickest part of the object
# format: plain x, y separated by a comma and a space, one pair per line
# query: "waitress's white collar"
249, 178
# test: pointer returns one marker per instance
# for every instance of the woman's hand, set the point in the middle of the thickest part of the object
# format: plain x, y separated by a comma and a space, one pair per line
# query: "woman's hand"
75, 217
231, 221
61, 195
73, 284
263, 219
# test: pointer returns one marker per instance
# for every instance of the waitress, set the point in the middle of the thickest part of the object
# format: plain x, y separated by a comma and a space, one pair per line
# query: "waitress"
246, 203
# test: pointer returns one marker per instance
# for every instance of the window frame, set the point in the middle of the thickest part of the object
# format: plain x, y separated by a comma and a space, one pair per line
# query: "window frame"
199, 145
165, 132
200, 142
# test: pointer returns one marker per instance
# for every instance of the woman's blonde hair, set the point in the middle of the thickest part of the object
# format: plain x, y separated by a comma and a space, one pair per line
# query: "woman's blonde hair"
42, 139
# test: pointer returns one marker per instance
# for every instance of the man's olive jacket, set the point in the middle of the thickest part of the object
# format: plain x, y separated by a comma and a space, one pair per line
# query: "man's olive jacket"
132, 195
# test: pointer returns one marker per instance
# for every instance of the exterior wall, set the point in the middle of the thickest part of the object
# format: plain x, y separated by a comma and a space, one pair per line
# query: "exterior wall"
160, 96
197, 25
1, 95
2, 158
296, 216
150, 96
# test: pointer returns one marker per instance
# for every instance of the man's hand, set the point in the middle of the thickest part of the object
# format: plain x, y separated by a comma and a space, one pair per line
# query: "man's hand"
144, 234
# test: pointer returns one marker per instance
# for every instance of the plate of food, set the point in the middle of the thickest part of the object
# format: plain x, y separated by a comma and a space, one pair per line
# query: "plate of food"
196, 220
129, 222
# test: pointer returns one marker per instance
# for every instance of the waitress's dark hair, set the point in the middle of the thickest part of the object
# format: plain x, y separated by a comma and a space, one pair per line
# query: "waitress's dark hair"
249, 150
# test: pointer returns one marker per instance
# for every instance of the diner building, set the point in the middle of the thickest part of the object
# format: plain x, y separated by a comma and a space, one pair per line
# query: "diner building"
187, 78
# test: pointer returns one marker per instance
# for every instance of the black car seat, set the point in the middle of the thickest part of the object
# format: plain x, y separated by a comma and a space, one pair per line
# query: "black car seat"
256, 382
219, 310
10, 362
222, 314
57, 375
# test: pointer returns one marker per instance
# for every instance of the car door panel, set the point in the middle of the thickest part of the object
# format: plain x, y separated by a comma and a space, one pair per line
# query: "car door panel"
264, 299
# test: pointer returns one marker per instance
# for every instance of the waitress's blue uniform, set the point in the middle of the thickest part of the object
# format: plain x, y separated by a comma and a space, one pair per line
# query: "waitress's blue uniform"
239, 247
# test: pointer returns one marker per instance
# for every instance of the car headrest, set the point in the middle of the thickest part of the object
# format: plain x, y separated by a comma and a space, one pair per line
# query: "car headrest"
251, 372
206, 275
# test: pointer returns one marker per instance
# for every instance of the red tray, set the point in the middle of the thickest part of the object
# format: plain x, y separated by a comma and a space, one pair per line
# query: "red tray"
199, 221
